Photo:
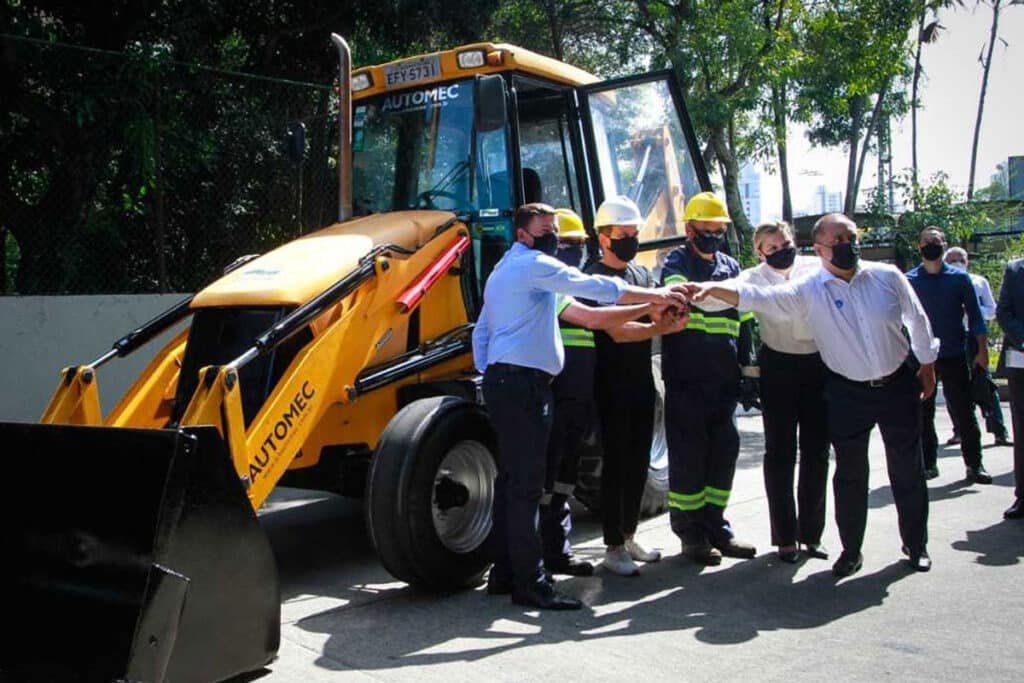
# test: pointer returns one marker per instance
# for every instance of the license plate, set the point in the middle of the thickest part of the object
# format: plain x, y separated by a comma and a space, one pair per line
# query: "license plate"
412, 71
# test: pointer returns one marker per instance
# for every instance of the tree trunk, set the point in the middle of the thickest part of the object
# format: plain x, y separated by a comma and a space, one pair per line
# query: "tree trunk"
856, 118
914, 104
554, 26
981, 99
731, 180
779, 120
872, 125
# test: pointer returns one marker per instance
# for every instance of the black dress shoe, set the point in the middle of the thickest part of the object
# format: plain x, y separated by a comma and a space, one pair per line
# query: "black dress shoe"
570, 567
1015, 511
543, 595
1003, 441
791, 556
817, 550
978, 475
919, 561
953, 440
847, 565
931, 472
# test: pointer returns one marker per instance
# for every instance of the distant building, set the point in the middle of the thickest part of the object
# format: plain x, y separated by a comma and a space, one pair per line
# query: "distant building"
1015, 179
750, 192
825, 201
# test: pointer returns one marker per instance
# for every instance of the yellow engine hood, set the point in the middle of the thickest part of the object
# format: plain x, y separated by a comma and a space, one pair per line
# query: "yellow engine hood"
295, 272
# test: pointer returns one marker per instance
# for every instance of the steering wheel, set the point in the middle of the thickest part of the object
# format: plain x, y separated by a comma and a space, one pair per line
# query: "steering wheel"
427, 199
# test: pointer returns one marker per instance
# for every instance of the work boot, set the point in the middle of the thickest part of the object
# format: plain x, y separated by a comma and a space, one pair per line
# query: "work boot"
730, 547
617, 560
639, 553
702, 553
569, 566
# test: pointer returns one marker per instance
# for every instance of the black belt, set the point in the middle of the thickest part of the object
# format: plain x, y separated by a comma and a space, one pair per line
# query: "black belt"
510, 369
875, 383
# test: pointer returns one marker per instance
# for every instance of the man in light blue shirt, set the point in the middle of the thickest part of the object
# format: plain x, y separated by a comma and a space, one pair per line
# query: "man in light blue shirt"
517, 346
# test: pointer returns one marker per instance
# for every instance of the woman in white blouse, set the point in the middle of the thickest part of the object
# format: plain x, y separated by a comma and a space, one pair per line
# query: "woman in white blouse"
792, 385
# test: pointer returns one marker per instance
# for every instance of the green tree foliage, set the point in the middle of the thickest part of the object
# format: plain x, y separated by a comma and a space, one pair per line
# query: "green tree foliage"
855, 62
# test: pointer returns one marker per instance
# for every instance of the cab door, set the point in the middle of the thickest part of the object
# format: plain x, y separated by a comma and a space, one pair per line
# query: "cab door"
640, 143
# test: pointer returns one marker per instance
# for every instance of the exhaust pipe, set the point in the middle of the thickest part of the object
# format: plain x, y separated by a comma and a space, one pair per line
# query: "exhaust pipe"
344, 128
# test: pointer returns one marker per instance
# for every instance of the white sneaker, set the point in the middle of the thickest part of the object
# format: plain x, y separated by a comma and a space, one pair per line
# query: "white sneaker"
617, 560
638, 553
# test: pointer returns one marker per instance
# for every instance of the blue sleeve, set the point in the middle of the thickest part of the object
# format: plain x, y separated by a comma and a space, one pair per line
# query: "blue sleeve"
551, 275
1010, 319
975, 321
674, 270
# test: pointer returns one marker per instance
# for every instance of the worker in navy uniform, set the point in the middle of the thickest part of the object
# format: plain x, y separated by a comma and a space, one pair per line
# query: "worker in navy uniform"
701, 367
575, 422
792, 383
947, 295
517, 347
1010, 314
876, 341
624, 391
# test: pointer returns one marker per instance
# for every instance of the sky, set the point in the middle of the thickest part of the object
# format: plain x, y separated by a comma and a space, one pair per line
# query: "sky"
949, 97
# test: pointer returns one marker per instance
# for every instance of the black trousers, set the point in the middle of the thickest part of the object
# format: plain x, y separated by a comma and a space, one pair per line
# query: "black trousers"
792, 398
703, 445
626, 414
1017, 418
853, 411
955, 376
574, 426
994, 423
521, 410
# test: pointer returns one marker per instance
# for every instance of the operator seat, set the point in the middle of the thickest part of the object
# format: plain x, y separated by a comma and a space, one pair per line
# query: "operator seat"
533, 190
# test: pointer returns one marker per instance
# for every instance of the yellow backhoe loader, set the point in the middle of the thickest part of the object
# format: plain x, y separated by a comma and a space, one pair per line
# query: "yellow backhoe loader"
339, 361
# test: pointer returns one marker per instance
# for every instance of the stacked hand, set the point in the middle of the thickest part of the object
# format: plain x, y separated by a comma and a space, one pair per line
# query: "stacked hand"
673, 319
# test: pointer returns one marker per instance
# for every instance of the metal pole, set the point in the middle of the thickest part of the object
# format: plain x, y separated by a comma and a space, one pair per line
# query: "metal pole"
344, 128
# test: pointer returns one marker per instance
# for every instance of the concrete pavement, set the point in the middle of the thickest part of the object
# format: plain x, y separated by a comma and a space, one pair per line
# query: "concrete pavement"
344, 618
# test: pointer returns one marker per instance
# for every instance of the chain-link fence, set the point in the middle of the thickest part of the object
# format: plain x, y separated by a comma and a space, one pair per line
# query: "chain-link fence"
130, 172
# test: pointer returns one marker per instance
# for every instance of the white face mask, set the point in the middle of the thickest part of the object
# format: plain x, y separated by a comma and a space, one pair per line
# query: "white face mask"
959, 265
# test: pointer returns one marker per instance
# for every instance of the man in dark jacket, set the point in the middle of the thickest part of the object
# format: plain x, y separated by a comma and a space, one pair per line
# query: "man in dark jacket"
1010, 314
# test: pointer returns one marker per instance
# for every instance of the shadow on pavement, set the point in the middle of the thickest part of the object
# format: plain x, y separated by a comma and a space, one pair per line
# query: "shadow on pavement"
730, 605
999, 545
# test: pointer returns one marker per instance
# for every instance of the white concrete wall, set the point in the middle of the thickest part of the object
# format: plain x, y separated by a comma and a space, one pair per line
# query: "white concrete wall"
39, 335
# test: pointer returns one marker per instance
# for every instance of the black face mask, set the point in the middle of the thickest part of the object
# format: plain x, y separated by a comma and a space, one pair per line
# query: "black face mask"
625, 248
931, 251
570, 254
782, 259
845, 255
709, 242
547, 243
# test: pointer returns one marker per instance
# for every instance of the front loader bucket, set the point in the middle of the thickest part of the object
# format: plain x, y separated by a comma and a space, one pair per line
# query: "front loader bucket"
130, 554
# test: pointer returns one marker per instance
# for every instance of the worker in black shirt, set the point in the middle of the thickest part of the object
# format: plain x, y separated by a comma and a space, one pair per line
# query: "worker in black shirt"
624, 391
701, 367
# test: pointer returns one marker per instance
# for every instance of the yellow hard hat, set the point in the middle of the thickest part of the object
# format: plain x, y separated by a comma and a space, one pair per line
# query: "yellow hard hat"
706, 206
570, 225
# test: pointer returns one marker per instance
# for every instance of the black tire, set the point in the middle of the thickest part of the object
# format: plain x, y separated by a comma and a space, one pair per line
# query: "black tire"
413, 509
655, 500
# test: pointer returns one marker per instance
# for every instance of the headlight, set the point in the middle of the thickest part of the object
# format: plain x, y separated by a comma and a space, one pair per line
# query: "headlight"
471, 59
361, 82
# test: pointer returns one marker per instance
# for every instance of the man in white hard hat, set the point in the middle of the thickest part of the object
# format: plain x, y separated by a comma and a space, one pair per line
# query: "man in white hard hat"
624, 390
701, 367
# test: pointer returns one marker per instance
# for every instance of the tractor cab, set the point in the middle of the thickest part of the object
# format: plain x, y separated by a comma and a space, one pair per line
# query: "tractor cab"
482, 129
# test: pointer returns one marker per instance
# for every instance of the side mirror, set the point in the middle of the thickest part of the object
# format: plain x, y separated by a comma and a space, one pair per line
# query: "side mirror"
489, 109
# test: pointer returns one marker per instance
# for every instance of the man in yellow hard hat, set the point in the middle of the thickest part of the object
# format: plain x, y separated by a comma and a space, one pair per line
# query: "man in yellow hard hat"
701, 367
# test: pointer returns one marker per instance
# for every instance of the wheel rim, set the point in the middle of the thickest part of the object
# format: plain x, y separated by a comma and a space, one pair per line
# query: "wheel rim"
463, 496
659, 442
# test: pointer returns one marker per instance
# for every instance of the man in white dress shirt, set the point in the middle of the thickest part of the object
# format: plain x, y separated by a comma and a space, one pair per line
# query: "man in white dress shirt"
857, 311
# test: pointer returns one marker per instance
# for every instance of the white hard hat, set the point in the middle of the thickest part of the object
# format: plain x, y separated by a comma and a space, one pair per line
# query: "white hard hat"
619, 210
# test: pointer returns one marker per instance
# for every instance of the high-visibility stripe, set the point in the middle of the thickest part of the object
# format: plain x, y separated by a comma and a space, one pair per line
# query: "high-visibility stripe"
686, 501
745, 316
675, 278
562, 303
545, 499
717, 497
578, 337
713, 324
